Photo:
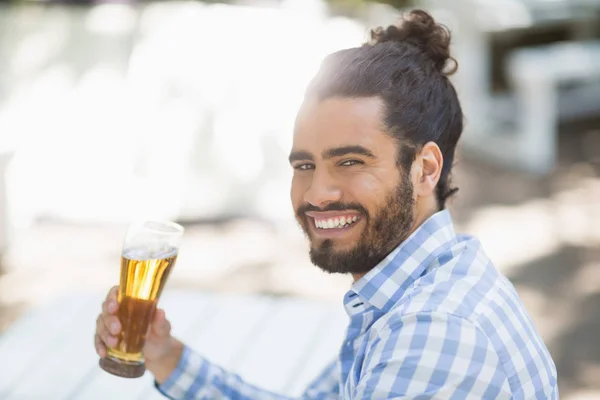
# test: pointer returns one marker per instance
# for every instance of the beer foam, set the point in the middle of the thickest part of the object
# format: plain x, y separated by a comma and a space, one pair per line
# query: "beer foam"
149, 252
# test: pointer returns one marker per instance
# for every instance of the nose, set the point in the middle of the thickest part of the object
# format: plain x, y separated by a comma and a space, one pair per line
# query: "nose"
323, 190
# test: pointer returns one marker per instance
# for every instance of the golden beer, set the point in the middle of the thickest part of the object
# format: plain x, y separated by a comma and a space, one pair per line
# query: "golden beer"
145, 268
142, 281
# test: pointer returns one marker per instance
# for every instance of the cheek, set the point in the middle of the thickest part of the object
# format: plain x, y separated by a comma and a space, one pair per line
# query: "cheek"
297, 190
367, 190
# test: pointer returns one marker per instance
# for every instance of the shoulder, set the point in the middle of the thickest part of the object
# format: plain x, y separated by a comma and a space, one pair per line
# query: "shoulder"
428, 329
445, 304
460, 281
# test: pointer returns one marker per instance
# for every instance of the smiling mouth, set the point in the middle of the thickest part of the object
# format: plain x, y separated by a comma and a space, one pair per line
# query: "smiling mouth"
336, 222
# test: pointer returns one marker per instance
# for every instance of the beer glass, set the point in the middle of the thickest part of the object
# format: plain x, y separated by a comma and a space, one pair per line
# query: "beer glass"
149, 253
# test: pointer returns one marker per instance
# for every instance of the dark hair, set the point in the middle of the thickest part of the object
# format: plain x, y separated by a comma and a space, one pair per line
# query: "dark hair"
405, 66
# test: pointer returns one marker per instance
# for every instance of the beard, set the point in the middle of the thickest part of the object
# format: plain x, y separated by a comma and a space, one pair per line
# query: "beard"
383, 232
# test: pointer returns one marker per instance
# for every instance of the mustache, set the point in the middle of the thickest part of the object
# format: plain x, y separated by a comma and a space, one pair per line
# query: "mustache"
332, 207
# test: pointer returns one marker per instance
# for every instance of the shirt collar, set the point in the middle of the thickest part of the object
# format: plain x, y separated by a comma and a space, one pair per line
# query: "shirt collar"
382, 286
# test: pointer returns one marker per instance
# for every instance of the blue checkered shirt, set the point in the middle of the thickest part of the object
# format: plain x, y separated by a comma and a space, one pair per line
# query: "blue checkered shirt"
434, 319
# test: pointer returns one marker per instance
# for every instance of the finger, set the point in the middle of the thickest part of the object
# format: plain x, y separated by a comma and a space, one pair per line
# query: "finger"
161, 325
113, 292
100, 348
110, 305
112, 323
100, 326
103, 332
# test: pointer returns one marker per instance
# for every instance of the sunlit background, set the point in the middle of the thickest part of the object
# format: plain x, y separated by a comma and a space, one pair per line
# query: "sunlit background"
112, 111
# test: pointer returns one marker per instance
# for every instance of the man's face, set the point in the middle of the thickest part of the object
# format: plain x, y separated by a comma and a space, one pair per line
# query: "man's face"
349, 195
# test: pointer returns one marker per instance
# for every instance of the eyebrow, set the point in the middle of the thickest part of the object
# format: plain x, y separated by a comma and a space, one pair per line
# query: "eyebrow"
300, 155
333, 152
345, 150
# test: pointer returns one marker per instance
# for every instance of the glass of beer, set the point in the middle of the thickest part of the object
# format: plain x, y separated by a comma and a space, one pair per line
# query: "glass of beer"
149, 253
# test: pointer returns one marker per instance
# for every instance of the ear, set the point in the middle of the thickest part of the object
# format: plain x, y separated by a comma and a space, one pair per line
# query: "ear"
427, 169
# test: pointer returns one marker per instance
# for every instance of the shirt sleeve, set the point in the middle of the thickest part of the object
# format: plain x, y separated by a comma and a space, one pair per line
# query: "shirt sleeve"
431, 355
326, 386
196, 378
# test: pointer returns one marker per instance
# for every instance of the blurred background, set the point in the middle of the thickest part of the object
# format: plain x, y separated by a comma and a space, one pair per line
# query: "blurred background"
182, 110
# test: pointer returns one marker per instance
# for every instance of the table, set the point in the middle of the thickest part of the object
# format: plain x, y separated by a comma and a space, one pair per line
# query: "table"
280, 344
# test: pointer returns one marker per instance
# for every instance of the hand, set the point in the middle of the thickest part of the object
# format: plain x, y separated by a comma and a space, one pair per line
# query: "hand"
161, 350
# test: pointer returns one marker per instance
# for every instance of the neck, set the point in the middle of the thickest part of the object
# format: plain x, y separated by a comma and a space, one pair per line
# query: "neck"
422, 214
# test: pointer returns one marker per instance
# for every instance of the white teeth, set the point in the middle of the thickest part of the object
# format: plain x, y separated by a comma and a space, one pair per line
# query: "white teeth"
335, 222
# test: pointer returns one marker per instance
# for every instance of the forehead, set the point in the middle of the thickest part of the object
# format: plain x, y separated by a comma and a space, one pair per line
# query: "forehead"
334, 122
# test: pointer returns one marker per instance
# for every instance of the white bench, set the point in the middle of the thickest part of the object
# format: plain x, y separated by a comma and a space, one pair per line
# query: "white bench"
278, 344
518, 129
536, 75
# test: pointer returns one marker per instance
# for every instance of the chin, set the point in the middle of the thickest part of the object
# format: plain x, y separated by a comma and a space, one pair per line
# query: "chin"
336, 246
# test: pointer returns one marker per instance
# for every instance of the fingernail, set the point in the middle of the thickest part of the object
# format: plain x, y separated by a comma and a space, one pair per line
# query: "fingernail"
112, 305
114, 327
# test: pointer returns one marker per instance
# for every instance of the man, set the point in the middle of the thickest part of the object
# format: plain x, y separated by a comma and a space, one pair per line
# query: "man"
430, 317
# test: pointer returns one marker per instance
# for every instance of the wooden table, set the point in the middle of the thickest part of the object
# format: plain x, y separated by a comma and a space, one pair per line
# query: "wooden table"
279, 344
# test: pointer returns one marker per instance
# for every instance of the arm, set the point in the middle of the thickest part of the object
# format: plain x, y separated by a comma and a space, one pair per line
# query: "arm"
181, 374
196, 378
326, 386
431, 355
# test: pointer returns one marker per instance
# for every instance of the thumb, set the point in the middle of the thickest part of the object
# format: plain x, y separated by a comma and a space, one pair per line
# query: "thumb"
160, 324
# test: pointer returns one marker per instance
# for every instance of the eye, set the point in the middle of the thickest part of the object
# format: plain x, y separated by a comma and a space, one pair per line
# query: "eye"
304, 167
349, 163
